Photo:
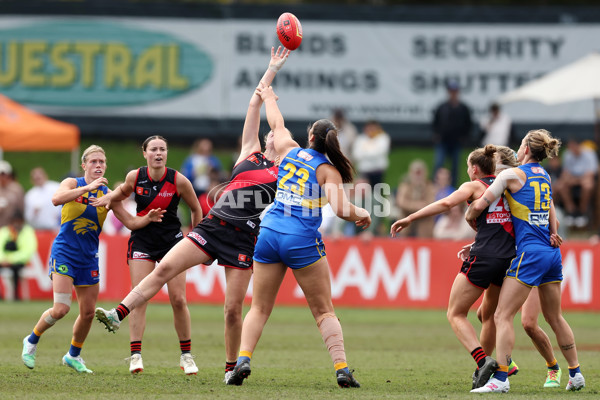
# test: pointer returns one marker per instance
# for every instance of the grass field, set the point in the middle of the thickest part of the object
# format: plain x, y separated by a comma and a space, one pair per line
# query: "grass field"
401, 354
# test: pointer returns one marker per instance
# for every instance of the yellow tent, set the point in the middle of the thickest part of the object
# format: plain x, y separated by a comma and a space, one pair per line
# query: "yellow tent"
22, 129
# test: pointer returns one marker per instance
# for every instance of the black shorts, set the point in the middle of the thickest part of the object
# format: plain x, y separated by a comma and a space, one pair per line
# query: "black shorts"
221, 241
483, 271
142, 248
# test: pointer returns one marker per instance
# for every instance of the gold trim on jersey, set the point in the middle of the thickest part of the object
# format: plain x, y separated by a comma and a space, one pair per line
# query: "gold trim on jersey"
298, 161
517, 209
314, 203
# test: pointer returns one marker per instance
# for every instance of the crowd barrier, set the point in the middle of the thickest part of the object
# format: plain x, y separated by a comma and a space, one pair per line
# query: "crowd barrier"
384, 272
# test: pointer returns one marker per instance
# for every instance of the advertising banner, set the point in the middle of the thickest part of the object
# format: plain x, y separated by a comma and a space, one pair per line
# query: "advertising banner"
203, 68
401, 273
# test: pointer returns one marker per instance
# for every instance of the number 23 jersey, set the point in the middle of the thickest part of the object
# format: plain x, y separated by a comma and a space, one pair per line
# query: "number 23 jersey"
299, 197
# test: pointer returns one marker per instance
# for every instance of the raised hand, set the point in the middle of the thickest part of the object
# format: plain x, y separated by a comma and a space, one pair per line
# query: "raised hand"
266, 93
278, 58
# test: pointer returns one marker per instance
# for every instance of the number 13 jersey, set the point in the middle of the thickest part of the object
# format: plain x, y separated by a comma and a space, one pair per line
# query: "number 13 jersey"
530, 208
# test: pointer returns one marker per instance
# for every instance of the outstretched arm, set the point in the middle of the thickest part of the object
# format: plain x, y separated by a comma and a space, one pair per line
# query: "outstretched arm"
336, 196
250, 138
136, 222
120, 193
283, 139
462, 194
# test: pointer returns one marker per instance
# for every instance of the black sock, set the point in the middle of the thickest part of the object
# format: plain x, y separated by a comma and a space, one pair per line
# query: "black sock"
229, 366
136, 347
122, 311
479, 356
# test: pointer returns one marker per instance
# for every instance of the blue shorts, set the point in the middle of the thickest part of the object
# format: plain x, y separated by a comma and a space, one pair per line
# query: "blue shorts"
82, 274
536, 267
294, 251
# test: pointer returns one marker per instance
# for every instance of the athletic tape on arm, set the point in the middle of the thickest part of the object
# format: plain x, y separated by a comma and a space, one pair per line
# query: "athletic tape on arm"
501, 182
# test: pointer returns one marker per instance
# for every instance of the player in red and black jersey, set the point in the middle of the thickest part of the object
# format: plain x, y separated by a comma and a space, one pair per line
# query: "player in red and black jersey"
156, 186
484, 269
228, 233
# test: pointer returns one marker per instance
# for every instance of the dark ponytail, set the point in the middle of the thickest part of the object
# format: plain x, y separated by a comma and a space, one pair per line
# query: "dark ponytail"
326, 142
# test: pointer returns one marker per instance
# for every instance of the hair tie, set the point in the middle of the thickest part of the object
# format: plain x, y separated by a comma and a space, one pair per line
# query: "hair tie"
516, 156
327, 130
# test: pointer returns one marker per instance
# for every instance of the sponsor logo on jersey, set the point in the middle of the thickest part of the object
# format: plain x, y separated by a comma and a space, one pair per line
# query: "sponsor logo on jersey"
539, 219
139, 255
180, 234
304, 155
165, 194
82, 200
251, 224
243, 258
144, 181
142, 191
273, 171
253, 159
537, 170
197, 237
95, 273
288, 198
498, 217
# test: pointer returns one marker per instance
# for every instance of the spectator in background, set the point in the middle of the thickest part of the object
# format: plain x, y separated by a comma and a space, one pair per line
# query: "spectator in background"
580, 167
40, 213
414, 193
443, 187
451, 129
370, 152
17, 245
347, 131
12, 195
495, 127
199, 166
452, 225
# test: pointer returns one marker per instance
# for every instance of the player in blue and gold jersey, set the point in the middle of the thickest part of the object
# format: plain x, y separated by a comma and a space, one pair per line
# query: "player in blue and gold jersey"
307, 180
74, 256
538, 262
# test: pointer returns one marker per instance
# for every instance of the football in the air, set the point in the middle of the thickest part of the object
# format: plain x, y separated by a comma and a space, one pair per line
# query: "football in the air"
289, 31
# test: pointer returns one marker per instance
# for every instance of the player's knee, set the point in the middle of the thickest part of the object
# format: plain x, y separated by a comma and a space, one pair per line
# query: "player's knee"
59, 310
178, 302
233, 316
553, 319
529, 325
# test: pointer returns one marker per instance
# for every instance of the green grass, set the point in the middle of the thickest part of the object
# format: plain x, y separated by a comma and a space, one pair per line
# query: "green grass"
396, 353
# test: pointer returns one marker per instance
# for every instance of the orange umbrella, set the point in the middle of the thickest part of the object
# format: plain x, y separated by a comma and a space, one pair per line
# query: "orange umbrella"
22, 129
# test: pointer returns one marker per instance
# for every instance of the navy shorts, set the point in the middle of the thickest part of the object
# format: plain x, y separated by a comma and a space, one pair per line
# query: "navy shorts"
221, 241
483, 271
